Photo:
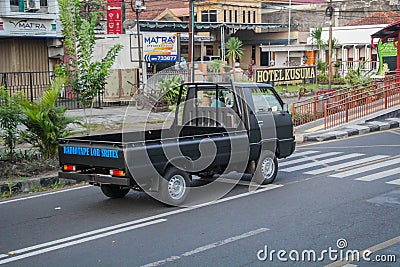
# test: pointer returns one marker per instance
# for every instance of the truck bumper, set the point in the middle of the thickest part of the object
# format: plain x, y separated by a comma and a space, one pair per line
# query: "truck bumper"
95, 178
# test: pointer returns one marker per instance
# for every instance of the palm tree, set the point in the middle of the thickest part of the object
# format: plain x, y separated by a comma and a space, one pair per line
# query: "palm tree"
234, 49
316, 39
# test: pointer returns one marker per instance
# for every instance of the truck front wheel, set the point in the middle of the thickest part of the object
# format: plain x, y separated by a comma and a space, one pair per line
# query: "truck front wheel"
114, 191
267, 168
174, 188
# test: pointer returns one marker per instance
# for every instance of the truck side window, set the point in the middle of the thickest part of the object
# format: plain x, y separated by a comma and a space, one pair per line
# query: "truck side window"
211, 107
265, 100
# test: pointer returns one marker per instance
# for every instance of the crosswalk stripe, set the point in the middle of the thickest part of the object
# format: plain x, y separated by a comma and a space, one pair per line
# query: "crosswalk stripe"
307, 152
379, 175
320, 162
346, 164
396, 182
365, 168
306, 158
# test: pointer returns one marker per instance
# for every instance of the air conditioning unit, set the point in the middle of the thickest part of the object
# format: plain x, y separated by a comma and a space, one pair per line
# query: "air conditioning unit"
32, 5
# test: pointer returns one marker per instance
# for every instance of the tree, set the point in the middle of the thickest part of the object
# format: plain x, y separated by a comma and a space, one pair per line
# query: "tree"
86, 78
10, 117
316, 39
234, 49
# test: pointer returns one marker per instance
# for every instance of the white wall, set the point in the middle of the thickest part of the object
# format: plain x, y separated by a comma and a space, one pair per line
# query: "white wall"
123, 60
351, 34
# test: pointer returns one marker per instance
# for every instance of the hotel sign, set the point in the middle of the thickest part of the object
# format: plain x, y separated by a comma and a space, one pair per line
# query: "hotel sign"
287, 76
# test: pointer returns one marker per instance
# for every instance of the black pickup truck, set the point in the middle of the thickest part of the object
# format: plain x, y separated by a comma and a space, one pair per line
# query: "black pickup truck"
217, 129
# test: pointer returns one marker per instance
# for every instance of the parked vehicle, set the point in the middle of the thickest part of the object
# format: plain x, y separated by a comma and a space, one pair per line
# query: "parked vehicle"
208, 58
218, 128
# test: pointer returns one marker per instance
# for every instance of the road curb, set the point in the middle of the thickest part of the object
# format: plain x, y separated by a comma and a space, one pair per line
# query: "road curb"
358, 129
34, 184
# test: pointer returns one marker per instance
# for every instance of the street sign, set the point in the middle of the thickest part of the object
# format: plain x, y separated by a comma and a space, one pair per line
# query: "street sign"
160, 47
114, 17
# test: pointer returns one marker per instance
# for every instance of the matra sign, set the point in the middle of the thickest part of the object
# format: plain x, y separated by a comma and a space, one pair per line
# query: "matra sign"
160, 40
25, 24
294, 75
160, 47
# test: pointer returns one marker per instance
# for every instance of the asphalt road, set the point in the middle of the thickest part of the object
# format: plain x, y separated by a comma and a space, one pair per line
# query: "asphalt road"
329, 198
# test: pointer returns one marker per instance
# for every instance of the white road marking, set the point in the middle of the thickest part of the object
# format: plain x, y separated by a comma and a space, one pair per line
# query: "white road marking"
396, 182
240, 182
306, 158
79, 241
150, 218
44, 194
379, 175
346, 164
365, 168
303, 153
320, 162
57, 241
207, 247
3, 256
349, 265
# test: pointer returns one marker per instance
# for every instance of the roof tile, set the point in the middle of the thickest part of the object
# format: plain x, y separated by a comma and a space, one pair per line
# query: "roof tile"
380, 17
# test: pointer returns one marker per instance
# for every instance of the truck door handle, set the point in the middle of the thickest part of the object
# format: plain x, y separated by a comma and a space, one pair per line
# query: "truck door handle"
261, 123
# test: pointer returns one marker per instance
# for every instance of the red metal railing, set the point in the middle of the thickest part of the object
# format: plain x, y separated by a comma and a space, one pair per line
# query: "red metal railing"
358, 98
355, 106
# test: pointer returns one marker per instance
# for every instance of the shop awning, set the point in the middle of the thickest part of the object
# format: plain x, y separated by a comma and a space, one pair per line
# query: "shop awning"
183, 26
389, 31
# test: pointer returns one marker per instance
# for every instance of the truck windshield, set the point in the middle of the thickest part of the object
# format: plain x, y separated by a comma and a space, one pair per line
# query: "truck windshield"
265, 100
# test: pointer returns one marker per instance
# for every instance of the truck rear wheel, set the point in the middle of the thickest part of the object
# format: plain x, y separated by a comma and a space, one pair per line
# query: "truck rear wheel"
114, 191
174, 187
267, 168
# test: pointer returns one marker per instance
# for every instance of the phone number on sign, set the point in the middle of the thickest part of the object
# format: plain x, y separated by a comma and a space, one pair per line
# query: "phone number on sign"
160, 58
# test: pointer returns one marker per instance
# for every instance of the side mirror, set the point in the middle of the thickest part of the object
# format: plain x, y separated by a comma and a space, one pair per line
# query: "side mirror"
285, 107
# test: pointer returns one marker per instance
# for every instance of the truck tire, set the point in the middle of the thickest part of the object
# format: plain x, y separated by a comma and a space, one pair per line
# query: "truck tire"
267, 168
174, 188
114, 191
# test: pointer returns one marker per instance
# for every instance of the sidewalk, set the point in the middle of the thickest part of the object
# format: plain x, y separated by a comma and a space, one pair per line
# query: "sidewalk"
115, 119
382, 120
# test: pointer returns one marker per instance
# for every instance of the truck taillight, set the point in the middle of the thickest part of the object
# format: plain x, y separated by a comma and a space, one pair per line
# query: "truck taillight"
69, 168
117, 173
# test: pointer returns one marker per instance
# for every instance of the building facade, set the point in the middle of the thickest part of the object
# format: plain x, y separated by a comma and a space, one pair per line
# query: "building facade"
30, 37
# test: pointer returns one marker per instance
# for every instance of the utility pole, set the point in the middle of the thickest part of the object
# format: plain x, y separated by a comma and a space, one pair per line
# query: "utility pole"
137, 7
191, 40
329, 13
288, 39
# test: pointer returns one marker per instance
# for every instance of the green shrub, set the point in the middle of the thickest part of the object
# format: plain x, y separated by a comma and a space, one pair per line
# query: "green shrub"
44, 121
322, 78
339, 80
169, 88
